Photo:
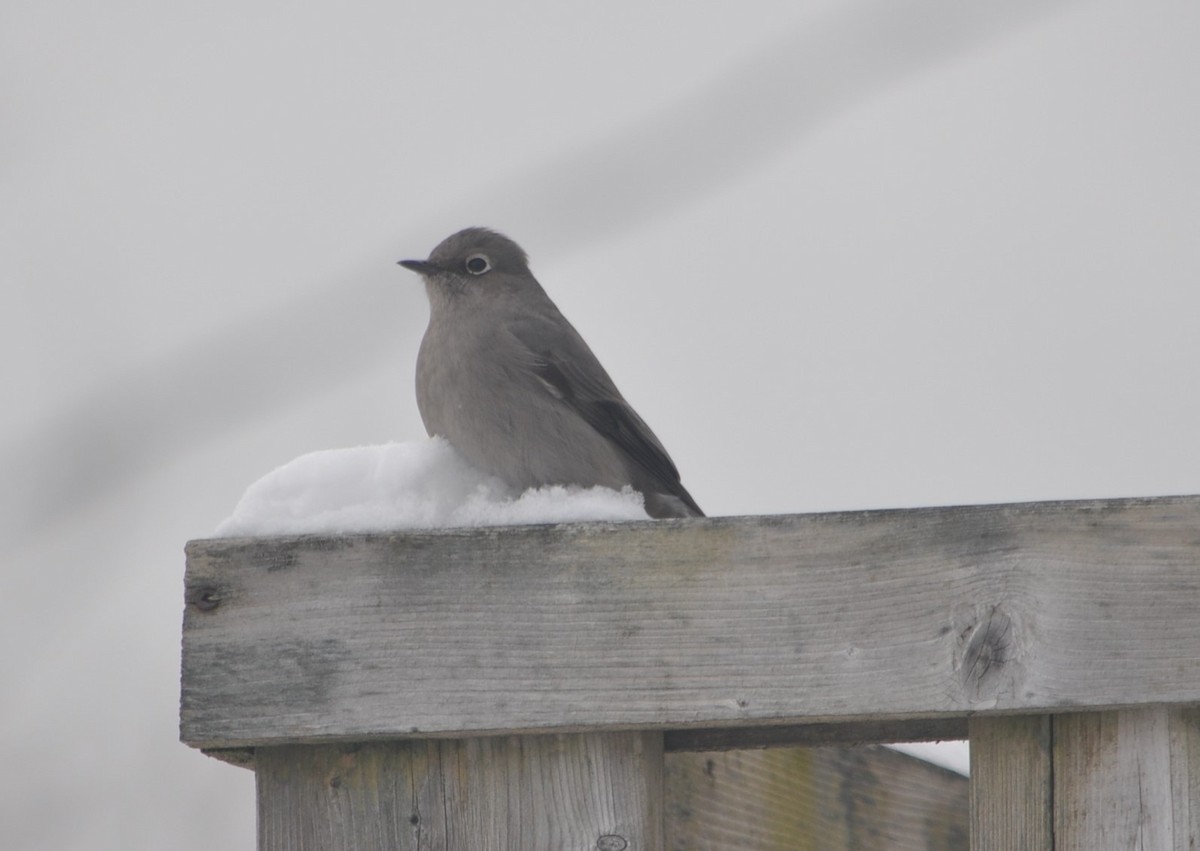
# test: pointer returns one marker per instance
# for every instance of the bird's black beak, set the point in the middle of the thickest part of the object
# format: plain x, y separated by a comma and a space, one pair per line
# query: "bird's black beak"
421, 267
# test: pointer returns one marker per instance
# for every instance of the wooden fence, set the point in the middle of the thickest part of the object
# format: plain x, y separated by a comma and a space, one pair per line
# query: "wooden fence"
601, 686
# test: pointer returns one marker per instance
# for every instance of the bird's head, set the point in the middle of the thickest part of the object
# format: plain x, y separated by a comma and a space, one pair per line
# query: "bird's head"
472, 256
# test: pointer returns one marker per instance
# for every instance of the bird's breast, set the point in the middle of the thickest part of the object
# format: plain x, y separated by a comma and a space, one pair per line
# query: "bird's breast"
484, 398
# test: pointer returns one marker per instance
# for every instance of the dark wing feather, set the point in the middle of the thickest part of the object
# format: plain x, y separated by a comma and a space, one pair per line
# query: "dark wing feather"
563, 362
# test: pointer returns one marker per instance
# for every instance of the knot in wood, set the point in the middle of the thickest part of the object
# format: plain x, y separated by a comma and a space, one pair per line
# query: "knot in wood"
204, 597
987, 653
611, 842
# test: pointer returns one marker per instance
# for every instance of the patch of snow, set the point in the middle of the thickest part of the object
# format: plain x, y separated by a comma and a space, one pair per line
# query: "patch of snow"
406, 486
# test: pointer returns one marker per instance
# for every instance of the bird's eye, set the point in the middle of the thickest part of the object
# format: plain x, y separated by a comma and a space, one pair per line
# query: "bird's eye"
477, 264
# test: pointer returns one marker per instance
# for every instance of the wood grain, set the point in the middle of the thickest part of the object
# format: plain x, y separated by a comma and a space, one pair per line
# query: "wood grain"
881, 616
1184, 747
786, 799
1011, 783
585, 792
1126, 779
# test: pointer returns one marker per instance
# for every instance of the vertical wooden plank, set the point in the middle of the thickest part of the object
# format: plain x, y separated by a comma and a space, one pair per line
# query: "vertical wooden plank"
790, 799
340, 796
1125, 779
581, 791
591, 792
1185, 777
1011, 783
1113, 780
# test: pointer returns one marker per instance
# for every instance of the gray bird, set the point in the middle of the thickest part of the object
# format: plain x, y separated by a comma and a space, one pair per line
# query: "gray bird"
505, 378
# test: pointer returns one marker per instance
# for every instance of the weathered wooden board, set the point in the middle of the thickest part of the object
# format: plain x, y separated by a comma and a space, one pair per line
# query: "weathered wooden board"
594, 791
602, 791
835, 618
1086, 780
1128, 779
1012, 783
821, 798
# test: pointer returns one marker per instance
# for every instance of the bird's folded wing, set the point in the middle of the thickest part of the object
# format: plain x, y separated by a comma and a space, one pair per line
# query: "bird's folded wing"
561, 361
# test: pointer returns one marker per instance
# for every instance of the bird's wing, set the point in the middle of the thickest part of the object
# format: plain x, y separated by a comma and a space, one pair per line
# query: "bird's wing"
562, 361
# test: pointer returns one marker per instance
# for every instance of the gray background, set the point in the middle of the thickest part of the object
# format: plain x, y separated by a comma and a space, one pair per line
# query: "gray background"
839, 255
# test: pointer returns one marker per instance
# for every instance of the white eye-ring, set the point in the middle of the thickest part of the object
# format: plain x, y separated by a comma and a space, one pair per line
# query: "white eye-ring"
477, 264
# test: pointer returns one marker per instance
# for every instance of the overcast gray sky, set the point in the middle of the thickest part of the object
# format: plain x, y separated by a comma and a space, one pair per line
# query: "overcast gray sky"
838, 255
